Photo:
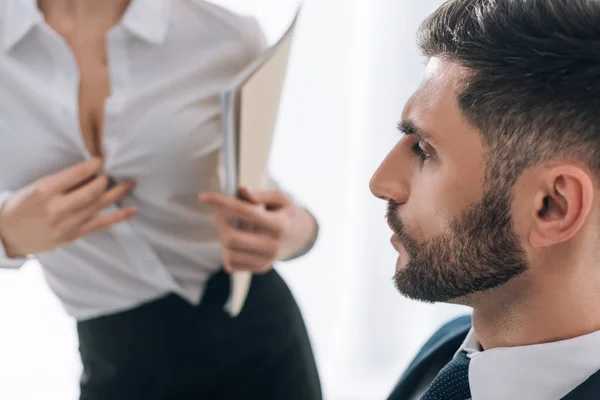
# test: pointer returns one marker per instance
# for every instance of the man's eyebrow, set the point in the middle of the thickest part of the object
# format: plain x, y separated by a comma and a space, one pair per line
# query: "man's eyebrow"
409, 128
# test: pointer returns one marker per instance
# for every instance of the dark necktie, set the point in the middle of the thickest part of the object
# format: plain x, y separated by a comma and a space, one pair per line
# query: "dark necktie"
452, 382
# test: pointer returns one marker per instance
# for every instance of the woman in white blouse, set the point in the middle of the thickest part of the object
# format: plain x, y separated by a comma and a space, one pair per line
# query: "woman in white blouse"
109, 134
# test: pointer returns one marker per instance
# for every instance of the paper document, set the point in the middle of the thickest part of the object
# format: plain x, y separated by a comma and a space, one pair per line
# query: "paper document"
250, 107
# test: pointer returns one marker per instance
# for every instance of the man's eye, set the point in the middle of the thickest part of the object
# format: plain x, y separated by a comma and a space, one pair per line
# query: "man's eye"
419, 151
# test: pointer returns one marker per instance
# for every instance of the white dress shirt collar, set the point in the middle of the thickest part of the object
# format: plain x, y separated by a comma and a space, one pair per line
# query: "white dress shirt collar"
148, 20
535, 372
19, 17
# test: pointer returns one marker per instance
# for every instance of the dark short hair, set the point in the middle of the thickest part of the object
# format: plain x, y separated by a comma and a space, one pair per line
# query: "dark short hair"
533, 87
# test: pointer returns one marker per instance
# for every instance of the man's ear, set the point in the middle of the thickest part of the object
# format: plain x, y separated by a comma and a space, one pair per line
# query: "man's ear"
562, 205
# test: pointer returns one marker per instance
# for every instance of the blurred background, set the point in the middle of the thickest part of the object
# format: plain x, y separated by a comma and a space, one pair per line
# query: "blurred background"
354, 64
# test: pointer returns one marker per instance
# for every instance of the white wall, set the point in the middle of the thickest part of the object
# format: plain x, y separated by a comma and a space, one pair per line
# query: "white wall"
353, 66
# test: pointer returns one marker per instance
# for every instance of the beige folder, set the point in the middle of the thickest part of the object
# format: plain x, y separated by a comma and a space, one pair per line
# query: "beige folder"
250, 110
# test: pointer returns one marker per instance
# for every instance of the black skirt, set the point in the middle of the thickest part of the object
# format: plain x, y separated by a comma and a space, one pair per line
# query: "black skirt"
169, 349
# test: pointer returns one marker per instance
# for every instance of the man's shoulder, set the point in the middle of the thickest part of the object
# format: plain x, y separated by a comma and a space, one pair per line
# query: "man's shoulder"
440, 346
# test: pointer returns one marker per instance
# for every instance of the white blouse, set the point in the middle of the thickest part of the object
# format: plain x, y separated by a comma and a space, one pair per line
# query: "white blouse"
168, 61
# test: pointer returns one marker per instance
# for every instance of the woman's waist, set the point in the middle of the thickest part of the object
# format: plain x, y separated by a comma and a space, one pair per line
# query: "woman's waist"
91, 280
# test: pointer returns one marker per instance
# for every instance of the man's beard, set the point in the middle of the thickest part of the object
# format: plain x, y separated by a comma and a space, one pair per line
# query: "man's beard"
480, 252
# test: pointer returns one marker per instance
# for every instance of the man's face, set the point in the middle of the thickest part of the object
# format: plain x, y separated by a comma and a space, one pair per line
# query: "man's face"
453, 231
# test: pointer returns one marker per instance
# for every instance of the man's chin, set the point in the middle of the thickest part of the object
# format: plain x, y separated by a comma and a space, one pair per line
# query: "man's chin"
409, 291
414, 289
412, 286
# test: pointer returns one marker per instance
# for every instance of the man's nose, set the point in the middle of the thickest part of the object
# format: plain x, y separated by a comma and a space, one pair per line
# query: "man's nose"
390, 182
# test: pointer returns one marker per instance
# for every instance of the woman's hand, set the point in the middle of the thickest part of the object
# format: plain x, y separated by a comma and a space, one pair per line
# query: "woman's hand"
59, 209
267, 218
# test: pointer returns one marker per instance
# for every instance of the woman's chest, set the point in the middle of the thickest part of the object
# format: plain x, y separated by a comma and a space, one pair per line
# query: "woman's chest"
157, 108
94, 89
163, 133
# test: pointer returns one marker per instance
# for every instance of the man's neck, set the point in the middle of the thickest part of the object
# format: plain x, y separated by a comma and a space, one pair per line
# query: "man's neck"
524, 313
91, 14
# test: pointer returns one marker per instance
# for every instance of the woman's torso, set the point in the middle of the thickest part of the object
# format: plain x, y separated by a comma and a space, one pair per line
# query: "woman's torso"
166, 63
